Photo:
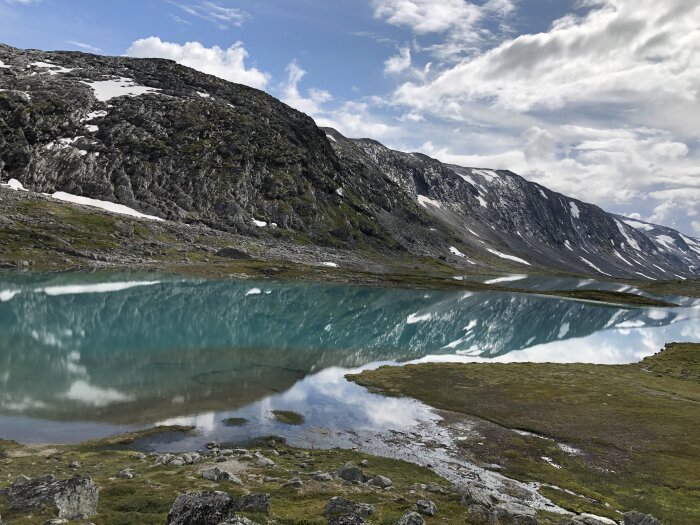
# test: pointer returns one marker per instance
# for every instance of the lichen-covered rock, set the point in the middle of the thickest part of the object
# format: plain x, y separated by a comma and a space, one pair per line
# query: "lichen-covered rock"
638, 518
219, 474
73, 498
338, 506
201, 508
381, 482
254, 503
351, 473
426, 507
411, 518
514, 513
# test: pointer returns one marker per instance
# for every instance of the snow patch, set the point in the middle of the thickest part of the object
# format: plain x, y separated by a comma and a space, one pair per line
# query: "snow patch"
589, 263
92, 128
639, 225
489, 175
329, 264
563, 330
53, 69
253, 291
575, 212
568, 245
509, 257
94, 114
103, 205
3, 65
331, 137
667, 242
617, 254
203, 94
543, 193
259, 224
481, 200
455, 251
7, 295
14, 184
551, 462
634, 244
123, 87
424, 201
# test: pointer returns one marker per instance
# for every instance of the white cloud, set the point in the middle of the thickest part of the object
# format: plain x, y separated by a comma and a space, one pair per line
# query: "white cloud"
603, 106
310, 104
228, 64
223, 17
398, 63
82, 45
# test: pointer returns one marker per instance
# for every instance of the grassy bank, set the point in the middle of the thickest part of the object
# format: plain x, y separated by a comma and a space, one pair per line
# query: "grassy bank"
629, 432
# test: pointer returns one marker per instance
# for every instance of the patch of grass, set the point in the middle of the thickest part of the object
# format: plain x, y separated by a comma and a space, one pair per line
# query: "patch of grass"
288, 417
635, 425
235, 421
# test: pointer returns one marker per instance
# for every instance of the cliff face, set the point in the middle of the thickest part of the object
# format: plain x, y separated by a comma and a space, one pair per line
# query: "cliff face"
175, 143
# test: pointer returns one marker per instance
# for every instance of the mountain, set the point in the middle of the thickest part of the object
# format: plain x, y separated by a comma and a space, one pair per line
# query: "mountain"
177, 144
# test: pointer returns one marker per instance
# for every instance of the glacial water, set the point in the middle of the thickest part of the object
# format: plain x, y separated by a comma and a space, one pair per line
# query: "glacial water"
84, 355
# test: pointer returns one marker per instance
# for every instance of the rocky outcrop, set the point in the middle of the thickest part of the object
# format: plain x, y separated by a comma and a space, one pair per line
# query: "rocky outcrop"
189, 147
74, 498
411, 518
205, 508
638, 518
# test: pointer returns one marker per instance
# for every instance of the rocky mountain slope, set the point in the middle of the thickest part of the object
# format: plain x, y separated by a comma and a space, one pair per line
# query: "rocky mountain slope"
176, 144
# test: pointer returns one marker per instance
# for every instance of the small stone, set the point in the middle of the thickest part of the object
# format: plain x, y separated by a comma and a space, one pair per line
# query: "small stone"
435, 488
411, 518
176, 462
348, 520
323, 477
294, 482
127, 473
364, 463
272, 443
426, 507
265, 462
75, 464
226, 452
380, 481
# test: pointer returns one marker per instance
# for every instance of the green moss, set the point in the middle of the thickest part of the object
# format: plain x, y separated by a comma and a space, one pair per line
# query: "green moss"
635, 424
288, 417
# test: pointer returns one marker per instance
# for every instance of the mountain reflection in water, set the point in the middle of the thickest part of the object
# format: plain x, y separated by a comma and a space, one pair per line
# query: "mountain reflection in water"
125, 351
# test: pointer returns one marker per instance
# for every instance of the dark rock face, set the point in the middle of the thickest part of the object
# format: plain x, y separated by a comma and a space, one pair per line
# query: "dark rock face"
193, 148
73, 498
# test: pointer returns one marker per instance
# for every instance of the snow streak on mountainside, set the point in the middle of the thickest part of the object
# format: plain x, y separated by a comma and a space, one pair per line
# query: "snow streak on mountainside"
173, 143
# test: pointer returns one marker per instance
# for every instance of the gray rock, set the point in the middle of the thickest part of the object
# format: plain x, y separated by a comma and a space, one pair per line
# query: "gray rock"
479, 515
352, 473
217, 474
294, 482
475, 495
426, 507
364, 463
201, 508
56, 521
238, 520
232, 253
348, 520
127, 473
72, 498
21, 480
254, 503
515, 514
380, 481
75, 464
411, 518
176, 462
338, 506
580, 520
435, 488
637, 518
323, 477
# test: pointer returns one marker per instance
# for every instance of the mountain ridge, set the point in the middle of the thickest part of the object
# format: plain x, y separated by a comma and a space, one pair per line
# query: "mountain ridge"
188, 147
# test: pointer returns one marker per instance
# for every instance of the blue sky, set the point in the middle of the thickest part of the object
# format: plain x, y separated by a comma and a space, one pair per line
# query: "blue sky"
598, 99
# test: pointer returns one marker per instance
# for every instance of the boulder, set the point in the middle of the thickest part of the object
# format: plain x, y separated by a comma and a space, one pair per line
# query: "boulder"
475, 495
411, 518
294, 482
478, 515
232, 253
323, 476
514, 513
426, 507
351, 473
238, 520
73, 498
380, 481
637, 518
338, 506
254, 503
206, 508
218, 474
201, 508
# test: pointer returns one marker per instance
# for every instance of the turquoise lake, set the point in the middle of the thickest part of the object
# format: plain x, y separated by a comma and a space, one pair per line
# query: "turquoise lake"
87, 355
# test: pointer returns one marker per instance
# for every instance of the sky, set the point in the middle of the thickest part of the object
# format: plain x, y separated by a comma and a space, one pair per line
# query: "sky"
597, 99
